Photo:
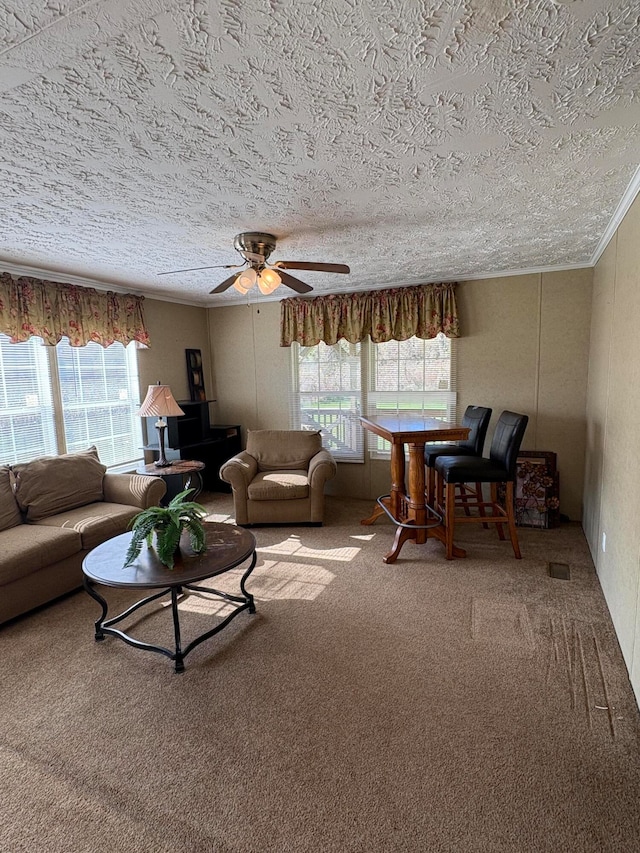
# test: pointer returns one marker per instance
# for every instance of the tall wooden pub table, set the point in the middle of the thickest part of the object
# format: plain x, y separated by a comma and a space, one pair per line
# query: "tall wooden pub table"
415, 520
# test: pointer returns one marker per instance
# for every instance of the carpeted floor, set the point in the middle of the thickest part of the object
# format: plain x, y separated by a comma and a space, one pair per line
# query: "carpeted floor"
473, 705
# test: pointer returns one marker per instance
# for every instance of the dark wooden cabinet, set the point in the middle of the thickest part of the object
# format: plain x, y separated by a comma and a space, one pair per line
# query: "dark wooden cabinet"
191, 436
191, 428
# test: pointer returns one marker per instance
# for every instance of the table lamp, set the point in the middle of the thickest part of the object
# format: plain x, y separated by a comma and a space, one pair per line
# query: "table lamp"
159, 403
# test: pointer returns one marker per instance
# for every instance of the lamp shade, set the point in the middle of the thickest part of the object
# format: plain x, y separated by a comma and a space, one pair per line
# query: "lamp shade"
159, 403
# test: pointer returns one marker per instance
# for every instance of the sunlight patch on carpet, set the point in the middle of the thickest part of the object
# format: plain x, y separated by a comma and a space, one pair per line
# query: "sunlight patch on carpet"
271, 580
275, 579
293, 546
218, 516
197, 603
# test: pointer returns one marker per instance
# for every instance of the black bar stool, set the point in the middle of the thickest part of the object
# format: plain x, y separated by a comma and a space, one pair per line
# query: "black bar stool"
500, 467
477, 419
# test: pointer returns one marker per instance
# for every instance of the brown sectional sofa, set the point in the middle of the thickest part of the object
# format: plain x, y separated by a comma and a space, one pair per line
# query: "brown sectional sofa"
52, 512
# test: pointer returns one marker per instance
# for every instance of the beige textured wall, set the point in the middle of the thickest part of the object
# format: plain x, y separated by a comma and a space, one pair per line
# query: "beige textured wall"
251, 369
612, 464
172, 329
525, 348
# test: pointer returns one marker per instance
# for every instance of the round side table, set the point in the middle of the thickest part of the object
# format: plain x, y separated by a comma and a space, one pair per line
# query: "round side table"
178, 476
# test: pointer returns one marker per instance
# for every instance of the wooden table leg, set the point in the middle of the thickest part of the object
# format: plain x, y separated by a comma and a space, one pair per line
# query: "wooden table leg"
440, 533
417, 503
377, 512
403, 534
394, 501
397, 479
416, 506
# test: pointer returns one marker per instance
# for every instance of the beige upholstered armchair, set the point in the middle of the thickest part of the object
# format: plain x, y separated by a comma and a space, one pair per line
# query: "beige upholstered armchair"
280, 477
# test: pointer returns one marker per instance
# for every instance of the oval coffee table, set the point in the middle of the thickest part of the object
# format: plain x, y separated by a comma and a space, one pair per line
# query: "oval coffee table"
228, 546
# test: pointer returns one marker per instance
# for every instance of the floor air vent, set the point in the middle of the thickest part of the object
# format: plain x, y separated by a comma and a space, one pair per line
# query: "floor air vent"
560, 571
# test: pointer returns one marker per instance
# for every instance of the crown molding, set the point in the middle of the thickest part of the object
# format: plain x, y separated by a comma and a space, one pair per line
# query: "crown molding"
524, 271
100, 284
87, 281
618, 215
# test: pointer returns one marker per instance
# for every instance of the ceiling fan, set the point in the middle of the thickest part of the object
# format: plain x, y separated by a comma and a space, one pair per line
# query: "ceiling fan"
255, 247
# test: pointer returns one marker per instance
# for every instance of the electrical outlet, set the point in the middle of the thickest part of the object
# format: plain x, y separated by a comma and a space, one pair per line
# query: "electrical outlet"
604, 541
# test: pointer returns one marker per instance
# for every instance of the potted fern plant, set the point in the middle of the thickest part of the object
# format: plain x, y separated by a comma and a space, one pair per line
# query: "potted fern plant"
167, 524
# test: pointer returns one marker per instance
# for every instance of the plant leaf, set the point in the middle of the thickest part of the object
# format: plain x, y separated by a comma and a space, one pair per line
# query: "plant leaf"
135, 546
168, 541
197, 537
179, 498
167, 523
154, 515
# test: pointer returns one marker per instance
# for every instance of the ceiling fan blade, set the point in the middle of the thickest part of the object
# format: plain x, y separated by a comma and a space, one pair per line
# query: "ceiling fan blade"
294, 283
225, 285
194, 269
310, 265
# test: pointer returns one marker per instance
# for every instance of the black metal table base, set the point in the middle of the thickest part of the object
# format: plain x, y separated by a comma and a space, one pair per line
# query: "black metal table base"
178, 654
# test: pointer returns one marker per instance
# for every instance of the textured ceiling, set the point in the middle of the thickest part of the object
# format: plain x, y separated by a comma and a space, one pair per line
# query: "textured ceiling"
415, 141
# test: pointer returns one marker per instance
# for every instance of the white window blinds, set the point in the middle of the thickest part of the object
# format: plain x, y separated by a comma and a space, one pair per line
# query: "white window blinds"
326, 395
333, 385
99, 389
412, 377
27, 424
63, 399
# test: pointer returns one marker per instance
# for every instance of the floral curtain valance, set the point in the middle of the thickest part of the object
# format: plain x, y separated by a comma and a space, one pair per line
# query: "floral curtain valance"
396, 314
29, 306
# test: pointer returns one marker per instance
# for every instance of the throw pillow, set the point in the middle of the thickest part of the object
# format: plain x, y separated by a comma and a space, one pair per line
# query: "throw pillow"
54, 484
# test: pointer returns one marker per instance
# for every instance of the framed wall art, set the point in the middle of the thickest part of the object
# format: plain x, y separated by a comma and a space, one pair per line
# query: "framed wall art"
195, 375
537, 501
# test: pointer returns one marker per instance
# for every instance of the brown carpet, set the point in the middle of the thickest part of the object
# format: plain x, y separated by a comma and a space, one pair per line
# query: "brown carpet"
476, 705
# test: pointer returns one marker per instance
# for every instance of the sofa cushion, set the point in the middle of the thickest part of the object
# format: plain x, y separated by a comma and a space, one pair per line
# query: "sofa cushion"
277, 449
28, 548
9, 509
279, 486
94, 523
54, 484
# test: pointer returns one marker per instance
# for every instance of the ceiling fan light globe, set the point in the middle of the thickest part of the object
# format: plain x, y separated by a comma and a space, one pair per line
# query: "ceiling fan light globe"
245, 281
268, 281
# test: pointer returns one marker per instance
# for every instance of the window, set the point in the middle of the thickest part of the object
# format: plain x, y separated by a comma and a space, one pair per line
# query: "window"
327, 394
64, 399
413, 377
27, 424
99, 390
